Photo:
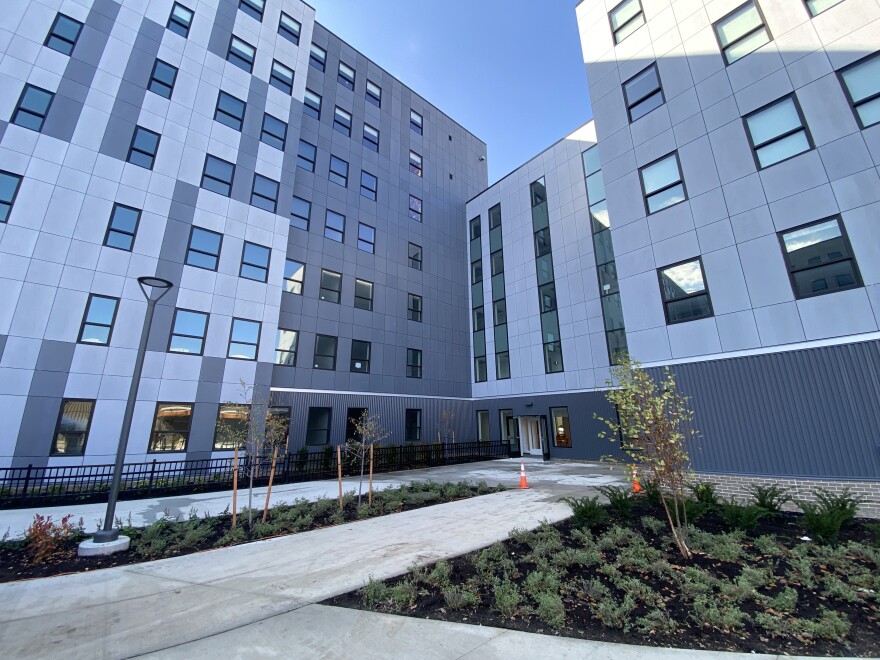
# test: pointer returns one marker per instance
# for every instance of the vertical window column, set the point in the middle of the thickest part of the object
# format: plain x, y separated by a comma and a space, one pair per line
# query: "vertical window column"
546, 279
499, 300
478, 319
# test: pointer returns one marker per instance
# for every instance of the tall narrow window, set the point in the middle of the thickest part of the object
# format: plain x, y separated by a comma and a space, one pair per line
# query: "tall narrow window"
274, 132
331, 286
162, 79
363, 295
413, 425
98, 320
255, 262
334, 226
643, 92
281, 77
294, 276
626, 18
685, 296
414, 308
483, 425
777, 132
144, 145
374, 94
415, 208
366, 238
289, 28
285, 347
312, 104
232, 426
338, 171
360, 356
241, 54
171, 427
229, 110
122, 228
204, 248
371, 138
415, 163
346, 76
325, 352
342, 121
819, 259
415, 256
318, 427
413, 363
561, 427
861, 80
369, 185
317, 57
72, 428
305, 157
9, 185
300, 213
662, 183
415, 122
180, 20
188, 331
63, 34
217, 176
741, 32
253, 8
33, 106
244, 338
264, 194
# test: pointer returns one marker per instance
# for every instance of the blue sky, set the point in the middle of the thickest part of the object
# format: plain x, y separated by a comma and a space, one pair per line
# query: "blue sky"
510, 71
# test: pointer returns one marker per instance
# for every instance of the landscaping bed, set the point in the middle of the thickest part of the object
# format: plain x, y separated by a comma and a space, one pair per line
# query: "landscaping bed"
50, 548
623, 580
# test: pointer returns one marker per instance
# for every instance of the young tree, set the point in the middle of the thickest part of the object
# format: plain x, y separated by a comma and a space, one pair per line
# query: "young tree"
368, 431
655, 426
445, 428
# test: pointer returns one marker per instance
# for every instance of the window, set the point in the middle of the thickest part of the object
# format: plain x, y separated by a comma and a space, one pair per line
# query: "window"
415, 208
264, 194
144, 145
253, 8
217, 176
325, 352
318, 426
502, 365
188, 331
285, 347
122, 228
816, 7
777, 132
477, 271
360, 356
244, 339
366, 238
415, 121
369, 185
478, 316
162, 79
352, 418
294, 276
63, 34
255, 262
32, 108
481, 370
300, 213
415, 163
312, 104
345, 76
414, 308
342, 121
305, 157
508, 426
317, 57
741, 32
72, 427
413, 363
415, 256
334, 226
496, 260
643, 93
230, 110
204, 248
331, 286
626, 18
281, 77
861, 81
662, 184
241, 54
180, 20
820, 259
371, 138
561, 427
685, 297
274, 132
232, 427
338, 171
289, 28
363, 295
374, 94
97, 323
171, 427
483, 425
9, 185
413, 425
499, 310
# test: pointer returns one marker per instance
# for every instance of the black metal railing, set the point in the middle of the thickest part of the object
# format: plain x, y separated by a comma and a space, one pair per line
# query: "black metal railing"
32, 486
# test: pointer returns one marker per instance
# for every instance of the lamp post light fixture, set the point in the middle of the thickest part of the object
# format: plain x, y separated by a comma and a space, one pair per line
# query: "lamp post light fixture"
107, 540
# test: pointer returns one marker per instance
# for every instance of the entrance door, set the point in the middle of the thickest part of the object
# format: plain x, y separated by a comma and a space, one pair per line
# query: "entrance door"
530, 436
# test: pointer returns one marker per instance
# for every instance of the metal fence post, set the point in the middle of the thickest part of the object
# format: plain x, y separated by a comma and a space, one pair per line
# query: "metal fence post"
27, 479
152, 474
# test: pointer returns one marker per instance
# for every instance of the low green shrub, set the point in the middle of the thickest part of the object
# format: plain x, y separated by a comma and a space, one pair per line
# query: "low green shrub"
704, 493
785, 601
741, 517
767, 545
588, 512
770, 498
725, 547
707, 612
824, 518
615, 613
550, 609
440, 575
458, 598
656, 621
621, 500
874, 528
374, 593
507, 599
653, 525
538, 582
653, 493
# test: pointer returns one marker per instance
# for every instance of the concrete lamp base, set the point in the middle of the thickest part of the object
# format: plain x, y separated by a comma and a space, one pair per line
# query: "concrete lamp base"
90, 548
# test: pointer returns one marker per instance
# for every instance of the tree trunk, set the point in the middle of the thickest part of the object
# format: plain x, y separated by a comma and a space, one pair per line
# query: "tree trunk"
251, 491
235, 488
362, 451
269, 489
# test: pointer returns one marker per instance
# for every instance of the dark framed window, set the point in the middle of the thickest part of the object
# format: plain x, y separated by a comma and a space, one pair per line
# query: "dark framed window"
478, 318
374, 93
72, 427
553, 357
496, 260
162, 79
171, 427
502, 365
289, 28
481, 370
342, 121
334, 226
300, 213
816, 7
306, 155
366, 238
312, 104
369, 185
188, 329
662, 184
244, 338
777, 132
274, 132
253, 8
508, 425
9, 185
204, 248
318, 427
499, 311
371, 138
122, 228
415, 163
861, 82
414, 308
294, 276
363, 295
98, 320
331, 286
413, 363
285, 347
643, 92
255, 262
741, 31
241, 54
180, 20
477, 271
415, 208
144, 145
819, 258
232, 427
413, 425
415, 121
626, 18
415, 256
32, 108
684, 291
325, 352
561, 427
345, 76
217, 176
230, 110
338, 172
317, 57
483, 426
264, 194
352, 417
281, 77
63, 34
360, 356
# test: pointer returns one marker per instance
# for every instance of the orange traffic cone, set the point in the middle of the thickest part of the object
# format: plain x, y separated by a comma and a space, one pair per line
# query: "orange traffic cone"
522, 475
637, 487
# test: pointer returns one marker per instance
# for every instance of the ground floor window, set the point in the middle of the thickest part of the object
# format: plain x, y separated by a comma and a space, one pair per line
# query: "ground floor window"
354, 415
413, 424
561, 428
318, 426
171, 427
72, 429
508, 426
483, 425
231, 430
